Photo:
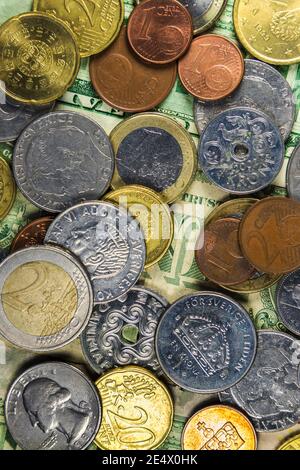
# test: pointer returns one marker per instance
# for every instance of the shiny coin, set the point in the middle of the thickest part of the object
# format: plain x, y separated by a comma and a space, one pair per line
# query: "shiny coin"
218, 427
61, 159
241, 151
141, 407
288, 301
291, 444
293, 175
154, 151
32, 234
205, 342
40, 58
52, 406
109, 243
7, 189
204, 13
46, 298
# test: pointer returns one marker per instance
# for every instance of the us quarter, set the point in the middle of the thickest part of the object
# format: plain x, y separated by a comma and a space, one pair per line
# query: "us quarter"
293, 174
288, 301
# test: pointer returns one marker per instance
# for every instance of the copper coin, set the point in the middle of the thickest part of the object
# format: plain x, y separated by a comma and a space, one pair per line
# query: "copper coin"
125, 82
160, 31
212, 69
270, 235
33, 234
219, 256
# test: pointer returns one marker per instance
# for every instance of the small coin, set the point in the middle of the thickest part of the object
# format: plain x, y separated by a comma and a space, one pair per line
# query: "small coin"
218, 427
291, 444
46, 298
63, 158
32, 234
212, 68
205, 341
40, 58
7, 189
241, 151
145, 416
293, 174
204, 13
270, 237
288, 301
160, 31
262, 88
52, 406
153, 150
109, 243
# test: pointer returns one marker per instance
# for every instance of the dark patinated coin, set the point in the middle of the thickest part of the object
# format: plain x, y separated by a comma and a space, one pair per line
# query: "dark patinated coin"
288, 301
293, 175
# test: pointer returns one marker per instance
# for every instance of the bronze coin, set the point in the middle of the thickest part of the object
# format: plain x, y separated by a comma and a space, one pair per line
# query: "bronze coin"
160, 31
33, 234
270, 235
212, 69
218, 254
125, 82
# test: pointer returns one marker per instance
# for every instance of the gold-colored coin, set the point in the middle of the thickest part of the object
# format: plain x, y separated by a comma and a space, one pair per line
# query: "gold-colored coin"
218, 427
95, 23
153, 150
39, 58
269, 30
137, 410
7, 189
291, 444
153, 215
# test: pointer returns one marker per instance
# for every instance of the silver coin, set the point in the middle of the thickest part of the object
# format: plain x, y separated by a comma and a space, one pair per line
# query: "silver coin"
109, 243
122, 332
46, 298
270, 392
204, 13
288, 301
293, 174
53, 406
61, 159
262, 88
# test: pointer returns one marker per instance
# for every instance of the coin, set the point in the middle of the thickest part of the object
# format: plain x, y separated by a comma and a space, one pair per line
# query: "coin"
63, 158
205, 341
109, 243
32, 234
52, 406
40, 58
291, 444
204, 13
293, 174
269, 235
153, 150
262, 88
269, 30
153, 215
288, 301
141, 407
212, 68
7, 189
160, 31
241, 151
218, 427
122, 332
46, 298
125, 82
95, 23
269, 393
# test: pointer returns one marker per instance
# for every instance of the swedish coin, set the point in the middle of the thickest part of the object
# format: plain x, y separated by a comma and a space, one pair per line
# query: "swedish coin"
288, 301
293, 174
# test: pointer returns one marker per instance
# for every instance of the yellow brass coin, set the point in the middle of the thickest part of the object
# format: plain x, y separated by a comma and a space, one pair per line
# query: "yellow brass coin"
7, 189
291, 444
95, 23
137, 410
269, 30
218, 427
39, 58
153, 215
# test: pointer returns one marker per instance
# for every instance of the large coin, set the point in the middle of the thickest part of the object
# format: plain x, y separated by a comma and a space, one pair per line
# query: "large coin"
288, 301
293, 174
63, 158
32, 234
291, 444
241, 151
205, 341
52, 406
122, 332
109, 243
262, 88
270, 392
46, 298
137, 410
7, 189
204, 13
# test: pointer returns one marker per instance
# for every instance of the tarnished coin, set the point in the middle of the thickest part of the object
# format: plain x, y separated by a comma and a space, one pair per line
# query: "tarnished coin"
291, 444
122, 332
212, 68
61, 159
40, 58
288, 301
218, 427
262, 88
270, 235
204, 13
241, 151
153, 150
53, 406
109, 243
270, 392
7, 189
137, 410
293, 174
46, 298
32, 234
205, 341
